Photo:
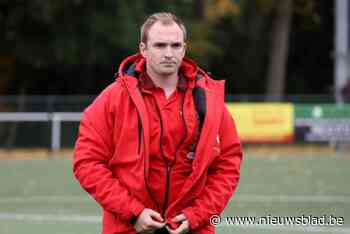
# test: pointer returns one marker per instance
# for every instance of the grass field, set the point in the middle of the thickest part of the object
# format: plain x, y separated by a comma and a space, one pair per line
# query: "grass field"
41, 196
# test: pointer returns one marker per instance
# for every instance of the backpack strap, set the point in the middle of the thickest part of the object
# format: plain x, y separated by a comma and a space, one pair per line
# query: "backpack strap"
199, 102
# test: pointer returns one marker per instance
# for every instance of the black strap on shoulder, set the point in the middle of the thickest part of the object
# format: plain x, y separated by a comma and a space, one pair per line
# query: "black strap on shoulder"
131, 71
199, 102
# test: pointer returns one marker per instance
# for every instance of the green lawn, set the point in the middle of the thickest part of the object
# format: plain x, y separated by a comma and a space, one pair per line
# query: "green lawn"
41, 196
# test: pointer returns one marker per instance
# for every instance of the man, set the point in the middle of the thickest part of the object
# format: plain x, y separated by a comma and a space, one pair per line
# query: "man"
158, 149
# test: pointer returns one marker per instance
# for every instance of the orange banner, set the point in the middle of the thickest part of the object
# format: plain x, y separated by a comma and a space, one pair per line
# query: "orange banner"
264, 122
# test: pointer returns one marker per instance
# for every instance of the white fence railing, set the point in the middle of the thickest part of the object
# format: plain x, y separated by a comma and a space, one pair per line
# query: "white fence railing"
56, 118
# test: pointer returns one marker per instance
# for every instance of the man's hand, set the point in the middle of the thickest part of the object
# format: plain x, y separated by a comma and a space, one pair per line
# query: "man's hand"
148, 221
184, 226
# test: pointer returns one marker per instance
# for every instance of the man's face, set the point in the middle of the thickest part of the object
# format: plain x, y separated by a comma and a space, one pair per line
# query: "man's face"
164, 50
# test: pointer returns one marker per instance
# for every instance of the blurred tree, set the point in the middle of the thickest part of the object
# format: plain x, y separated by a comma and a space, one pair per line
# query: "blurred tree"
267, 52
207, 14
242, 37
61, 35
70, 46
199, 8
310, 62
276, 73
310, 17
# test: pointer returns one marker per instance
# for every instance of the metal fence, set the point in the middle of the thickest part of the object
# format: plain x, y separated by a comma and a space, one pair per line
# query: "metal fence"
52, 103
52, 121
40, 121
77, 103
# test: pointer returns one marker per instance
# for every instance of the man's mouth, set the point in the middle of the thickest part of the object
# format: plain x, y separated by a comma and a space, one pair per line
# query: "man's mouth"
168, 63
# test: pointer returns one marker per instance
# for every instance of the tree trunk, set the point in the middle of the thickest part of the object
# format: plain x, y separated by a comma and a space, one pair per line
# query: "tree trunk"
276, 74
199, 8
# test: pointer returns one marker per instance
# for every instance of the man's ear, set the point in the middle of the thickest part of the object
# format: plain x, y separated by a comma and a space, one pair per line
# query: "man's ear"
142, 48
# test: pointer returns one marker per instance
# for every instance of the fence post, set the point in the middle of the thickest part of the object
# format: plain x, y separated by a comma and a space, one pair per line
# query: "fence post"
55, 132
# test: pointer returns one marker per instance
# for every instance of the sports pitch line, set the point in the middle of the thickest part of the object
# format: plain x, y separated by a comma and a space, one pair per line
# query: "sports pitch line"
238, 198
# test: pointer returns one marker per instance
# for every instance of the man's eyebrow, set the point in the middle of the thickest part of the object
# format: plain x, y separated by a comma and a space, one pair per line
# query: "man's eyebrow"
167, 43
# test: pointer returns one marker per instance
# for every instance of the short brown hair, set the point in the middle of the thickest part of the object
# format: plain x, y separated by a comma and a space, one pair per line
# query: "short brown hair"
165, 18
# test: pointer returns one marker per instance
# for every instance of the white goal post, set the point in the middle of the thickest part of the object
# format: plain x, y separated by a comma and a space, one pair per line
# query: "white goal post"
55, 118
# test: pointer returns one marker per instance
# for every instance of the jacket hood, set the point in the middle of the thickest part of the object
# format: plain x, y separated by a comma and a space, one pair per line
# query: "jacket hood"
135, 64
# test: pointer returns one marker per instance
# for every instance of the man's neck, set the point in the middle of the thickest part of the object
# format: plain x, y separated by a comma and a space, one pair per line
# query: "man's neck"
167, 83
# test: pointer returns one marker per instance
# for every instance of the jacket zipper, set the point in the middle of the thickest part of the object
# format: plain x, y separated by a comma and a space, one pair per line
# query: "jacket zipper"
168, 167
140, 129
167, 188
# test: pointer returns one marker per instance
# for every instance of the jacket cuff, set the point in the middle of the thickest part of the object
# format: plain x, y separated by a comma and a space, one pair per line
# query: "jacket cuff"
136, 207
192, 219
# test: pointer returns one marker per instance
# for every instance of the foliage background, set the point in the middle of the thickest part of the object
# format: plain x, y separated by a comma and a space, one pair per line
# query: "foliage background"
73, 46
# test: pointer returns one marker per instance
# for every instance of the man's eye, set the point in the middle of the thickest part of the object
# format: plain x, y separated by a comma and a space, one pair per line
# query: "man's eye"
176, 45
160, 45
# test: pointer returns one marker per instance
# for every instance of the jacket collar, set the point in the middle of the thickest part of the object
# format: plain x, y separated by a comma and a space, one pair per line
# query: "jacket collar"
146, 84
136, 64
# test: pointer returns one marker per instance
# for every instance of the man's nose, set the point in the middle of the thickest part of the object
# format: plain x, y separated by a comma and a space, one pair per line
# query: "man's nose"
168, 52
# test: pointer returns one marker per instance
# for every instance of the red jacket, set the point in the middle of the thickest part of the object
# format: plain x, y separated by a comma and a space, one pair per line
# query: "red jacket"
172, 139
111, 153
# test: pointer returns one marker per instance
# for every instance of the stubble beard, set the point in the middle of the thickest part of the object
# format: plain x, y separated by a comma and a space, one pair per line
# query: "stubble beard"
167, 71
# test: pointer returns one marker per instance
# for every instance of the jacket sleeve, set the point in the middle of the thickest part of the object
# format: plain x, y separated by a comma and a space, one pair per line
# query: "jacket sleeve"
222, 179
93, 150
